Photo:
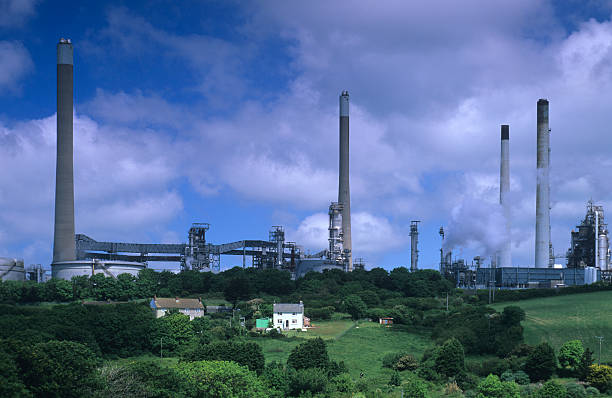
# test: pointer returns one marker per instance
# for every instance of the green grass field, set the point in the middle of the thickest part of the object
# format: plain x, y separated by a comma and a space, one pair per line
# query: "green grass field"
575, 316
361, 346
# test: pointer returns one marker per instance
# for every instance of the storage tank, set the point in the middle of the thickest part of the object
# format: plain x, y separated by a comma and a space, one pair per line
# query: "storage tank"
602, 257
11, 269
67, 269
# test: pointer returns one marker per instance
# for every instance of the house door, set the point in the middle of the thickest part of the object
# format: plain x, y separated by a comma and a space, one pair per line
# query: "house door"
287, 324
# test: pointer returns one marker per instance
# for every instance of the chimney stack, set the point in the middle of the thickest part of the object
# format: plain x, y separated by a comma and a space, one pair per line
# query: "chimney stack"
505, 257
542, 244
344, 190
63, 242
414, 242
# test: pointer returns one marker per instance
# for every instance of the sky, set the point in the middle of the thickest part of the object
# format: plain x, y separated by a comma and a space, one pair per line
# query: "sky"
226, 112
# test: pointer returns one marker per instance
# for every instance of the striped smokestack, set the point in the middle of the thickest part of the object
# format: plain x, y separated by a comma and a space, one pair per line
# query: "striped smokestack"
542, 244
344, 190
505, 256
63, 243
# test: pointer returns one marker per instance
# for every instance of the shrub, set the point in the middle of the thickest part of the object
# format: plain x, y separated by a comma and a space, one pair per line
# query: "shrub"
395, 379
551, 389
343, 383
390, 359
220, 379
575, 390
310, 379
61, 369
592, 391
407, 362
415, 388
248, 354
494, 366
599, 376
541, 362
492, 387
521, 377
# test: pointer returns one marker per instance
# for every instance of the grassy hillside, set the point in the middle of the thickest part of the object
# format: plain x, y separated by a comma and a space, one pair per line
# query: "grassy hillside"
562, 318
360, 346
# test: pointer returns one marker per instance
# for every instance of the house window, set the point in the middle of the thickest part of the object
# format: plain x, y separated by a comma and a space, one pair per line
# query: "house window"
280, 313
293, 314
294, 321
280, 321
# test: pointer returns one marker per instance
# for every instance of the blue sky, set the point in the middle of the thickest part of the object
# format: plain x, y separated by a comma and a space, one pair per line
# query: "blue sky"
226, 112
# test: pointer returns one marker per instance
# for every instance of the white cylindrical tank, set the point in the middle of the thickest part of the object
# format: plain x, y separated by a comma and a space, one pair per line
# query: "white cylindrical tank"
11, 269
67, 269
603, 252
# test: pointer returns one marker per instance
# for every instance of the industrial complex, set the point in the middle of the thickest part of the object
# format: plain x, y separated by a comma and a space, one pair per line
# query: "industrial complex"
587, 260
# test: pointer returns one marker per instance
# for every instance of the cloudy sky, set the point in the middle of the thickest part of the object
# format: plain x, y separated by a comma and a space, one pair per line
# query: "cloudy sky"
227, 112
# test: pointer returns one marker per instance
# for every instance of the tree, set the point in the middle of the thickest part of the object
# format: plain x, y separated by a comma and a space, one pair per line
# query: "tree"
449, 360
355, 306
238, 288
61, 369
541, 363
175, 330
310, 354
220, 379
586, 360
570, 354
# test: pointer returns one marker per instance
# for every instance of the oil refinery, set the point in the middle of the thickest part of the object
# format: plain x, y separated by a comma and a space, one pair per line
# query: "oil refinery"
587, 260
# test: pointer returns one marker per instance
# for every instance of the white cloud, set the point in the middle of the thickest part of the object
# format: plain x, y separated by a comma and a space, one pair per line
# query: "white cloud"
371, 234
15, 64
14, 13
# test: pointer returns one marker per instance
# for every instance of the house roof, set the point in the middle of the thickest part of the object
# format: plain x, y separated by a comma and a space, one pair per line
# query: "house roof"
161, 302
288, 308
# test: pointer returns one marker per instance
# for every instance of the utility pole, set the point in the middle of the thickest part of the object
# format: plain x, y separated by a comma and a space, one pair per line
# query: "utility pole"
161, 347
600, 338
446, 302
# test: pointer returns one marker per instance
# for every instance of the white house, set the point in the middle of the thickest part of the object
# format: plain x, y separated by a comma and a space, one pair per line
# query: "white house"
288, 316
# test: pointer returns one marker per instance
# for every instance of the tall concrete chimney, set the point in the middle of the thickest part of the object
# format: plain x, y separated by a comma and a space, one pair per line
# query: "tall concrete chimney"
414, 242
63, 243
505, 256
542, 244
344, 190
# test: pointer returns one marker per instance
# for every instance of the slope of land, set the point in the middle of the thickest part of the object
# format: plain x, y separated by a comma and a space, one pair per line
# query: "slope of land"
361, 346
562, 318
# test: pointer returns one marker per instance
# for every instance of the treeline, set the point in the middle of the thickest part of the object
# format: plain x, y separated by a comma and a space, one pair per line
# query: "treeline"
506, 295
235, 285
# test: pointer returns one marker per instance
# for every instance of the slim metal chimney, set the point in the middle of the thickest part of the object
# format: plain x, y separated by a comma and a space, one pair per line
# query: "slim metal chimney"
505, 256
414, 242
344, 190
542, 244
63, 243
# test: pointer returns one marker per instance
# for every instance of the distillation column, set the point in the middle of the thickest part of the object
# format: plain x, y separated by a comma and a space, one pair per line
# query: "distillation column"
344, 190
63, 242
505, 256
542, 243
